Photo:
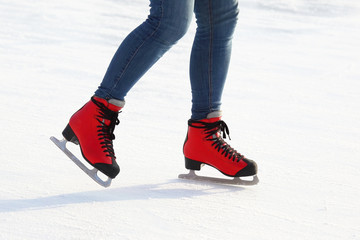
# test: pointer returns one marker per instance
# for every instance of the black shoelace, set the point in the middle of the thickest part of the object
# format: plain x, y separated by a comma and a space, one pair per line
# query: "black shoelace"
211, 130
106, 132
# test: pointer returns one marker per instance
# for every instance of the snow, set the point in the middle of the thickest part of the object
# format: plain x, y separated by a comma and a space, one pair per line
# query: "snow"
291, 102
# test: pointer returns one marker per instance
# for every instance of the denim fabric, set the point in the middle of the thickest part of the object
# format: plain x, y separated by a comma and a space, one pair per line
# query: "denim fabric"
167, 22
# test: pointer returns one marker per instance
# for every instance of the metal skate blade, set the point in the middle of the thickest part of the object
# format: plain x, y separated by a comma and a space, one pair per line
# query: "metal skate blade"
235, 181
93, 173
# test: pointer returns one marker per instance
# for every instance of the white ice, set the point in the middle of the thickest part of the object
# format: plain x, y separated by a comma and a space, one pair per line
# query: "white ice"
291, 101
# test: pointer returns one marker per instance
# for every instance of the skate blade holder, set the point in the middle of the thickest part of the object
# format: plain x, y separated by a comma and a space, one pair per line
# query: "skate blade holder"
93, 173
234, 181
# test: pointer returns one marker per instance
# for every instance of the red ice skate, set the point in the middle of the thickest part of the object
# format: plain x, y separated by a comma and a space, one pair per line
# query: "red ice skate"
92, 128
205, 145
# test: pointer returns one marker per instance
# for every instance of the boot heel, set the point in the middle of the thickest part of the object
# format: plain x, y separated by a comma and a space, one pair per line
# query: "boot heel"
192, 165
69, 135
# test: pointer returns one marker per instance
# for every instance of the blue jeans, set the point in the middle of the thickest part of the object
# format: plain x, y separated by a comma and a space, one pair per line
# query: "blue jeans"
167, 23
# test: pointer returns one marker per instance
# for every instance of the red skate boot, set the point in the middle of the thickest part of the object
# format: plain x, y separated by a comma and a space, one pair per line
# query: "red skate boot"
92, 128
204, 145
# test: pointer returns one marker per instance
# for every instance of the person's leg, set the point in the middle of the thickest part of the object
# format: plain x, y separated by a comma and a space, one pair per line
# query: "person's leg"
167, 23
92, 127
204, 143
210, 56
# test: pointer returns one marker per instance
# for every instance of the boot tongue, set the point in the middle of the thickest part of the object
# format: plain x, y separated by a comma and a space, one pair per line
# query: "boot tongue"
214, 117
113, 105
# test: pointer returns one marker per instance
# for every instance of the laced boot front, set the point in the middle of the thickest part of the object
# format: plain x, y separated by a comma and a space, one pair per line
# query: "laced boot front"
92, 127
205, 145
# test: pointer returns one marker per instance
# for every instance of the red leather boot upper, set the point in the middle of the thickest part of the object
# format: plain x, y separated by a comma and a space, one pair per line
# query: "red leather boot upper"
93, 125
204, 144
